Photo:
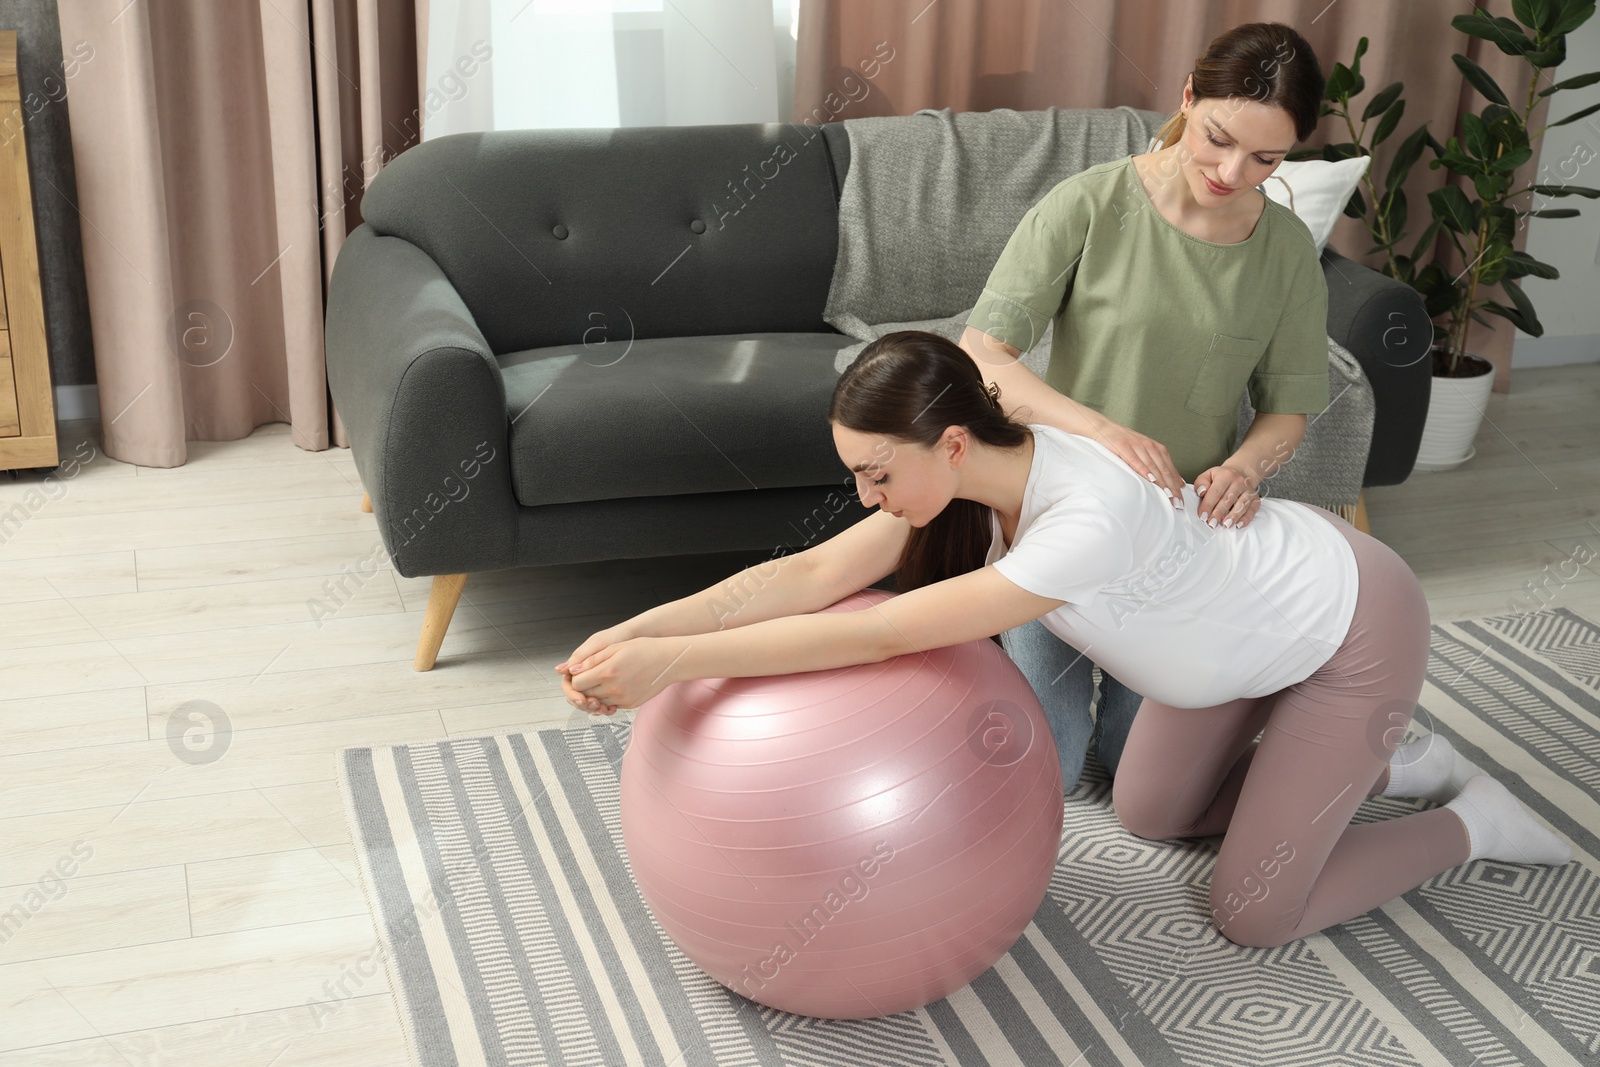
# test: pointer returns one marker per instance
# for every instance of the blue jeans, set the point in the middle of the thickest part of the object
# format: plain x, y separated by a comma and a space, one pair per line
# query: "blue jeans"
1063, 679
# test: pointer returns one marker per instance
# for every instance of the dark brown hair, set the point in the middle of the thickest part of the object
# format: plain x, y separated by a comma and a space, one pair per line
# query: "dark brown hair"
1267, 62
910, 386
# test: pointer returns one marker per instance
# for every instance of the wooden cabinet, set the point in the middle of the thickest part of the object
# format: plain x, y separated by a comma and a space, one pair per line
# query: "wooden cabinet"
27, 410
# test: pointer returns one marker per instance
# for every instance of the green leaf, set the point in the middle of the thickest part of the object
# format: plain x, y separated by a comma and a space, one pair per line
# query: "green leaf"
1451, 206
1383, 101
1356, 206
1298, 154
1525, 306
1499, 224
1489, 186
1540, 14
1439, 291
1575, 116
1475, 136
1521, 264
1567, 190
1458, 161
1580, 82
1333, 153
1425, 241
1405, 157
1393, 205
1495, 308
1386, 125
1512, 160
1441, 302
1555, 213
1480, 80
1552, 56
1574, 13
1340, 80
1498, 117
1505, 34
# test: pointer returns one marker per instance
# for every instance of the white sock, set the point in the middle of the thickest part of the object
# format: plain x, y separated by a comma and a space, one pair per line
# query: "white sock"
1500, 828
1428, 767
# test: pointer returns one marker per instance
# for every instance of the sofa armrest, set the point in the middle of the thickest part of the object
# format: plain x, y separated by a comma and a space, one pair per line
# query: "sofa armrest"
1385, 326
422, 398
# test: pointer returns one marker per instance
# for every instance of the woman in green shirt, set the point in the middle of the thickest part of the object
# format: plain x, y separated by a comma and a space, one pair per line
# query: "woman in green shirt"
1174, 285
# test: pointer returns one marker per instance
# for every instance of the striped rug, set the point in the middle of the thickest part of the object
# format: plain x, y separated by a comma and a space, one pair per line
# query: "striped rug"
512, 933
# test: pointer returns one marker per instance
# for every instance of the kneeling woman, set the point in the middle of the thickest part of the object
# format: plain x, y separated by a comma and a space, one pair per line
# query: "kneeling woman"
1297, 623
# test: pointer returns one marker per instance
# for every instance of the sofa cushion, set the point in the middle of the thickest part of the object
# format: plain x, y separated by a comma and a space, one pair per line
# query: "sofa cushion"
690, 229
672, 415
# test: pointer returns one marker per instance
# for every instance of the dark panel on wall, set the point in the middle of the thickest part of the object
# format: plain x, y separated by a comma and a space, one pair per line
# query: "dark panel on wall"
45, 74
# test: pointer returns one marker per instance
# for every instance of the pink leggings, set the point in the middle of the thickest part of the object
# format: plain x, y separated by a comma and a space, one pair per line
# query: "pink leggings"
1291, 863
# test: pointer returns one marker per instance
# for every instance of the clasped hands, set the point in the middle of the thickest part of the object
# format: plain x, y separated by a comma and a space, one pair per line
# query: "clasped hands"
615, 669
1227, 495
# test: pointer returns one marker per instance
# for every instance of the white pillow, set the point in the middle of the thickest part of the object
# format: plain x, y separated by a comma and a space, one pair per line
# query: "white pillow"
1316, 191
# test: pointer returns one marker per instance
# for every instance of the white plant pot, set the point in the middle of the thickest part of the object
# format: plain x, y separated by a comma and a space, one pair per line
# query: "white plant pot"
1454, 414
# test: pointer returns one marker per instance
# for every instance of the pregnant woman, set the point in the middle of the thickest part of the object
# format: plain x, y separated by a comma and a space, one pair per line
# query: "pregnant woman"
1298, 624
1174, 286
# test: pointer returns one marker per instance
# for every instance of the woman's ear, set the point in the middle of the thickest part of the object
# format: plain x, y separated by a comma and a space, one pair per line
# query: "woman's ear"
954, 440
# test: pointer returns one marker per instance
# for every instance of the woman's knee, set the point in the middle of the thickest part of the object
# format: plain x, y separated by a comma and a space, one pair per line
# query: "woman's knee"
1145, 813
1251, 923
1247, 934
1255, 905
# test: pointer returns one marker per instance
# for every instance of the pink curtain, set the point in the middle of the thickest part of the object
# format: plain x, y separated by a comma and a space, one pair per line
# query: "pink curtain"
221, 152
979, 55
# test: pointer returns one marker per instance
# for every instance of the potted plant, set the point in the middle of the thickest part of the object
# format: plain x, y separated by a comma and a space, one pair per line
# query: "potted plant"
1492, 145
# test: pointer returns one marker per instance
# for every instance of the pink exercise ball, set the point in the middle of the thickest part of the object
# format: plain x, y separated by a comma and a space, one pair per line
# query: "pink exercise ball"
846, 843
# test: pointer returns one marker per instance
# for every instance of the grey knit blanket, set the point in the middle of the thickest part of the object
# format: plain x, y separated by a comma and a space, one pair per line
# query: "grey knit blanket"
930, 201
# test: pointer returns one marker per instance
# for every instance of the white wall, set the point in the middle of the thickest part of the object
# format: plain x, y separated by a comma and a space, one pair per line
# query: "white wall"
1568, 306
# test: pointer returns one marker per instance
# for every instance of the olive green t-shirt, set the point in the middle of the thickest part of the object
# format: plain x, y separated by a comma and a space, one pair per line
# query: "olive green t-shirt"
1159, 330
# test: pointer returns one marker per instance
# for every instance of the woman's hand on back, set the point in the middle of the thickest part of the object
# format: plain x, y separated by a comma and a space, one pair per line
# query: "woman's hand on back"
1227, 499
1147, 456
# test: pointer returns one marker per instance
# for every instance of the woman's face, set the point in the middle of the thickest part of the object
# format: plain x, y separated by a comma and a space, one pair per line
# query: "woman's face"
904, 479
1231, 144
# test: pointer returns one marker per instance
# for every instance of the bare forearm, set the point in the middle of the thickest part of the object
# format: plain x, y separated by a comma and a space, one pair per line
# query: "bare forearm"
787, 645
1021, 388
770, 589
1267, 445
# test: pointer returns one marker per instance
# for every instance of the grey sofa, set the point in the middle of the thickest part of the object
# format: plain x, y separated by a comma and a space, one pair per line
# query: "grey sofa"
558, 346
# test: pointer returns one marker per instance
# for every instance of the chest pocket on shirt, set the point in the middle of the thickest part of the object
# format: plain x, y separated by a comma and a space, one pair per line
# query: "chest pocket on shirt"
1223, 374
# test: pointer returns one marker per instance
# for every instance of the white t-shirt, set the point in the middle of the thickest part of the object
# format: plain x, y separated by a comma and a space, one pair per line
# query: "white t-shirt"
1179, 612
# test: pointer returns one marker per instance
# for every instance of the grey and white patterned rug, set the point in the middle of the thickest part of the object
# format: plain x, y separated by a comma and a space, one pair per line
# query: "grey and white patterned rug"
513, 933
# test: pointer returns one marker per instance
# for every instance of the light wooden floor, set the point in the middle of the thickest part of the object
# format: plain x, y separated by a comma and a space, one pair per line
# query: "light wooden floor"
213, 905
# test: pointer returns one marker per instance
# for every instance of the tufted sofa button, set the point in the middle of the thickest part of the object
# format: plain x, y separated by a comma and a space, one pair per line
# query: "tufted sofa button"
698, 226
560, 232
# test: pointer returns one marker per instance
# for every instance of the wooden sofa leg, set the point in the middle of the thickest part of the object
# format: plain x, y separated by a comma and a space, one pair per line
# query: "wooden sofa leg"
366, 503
1361, 522
442, 600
